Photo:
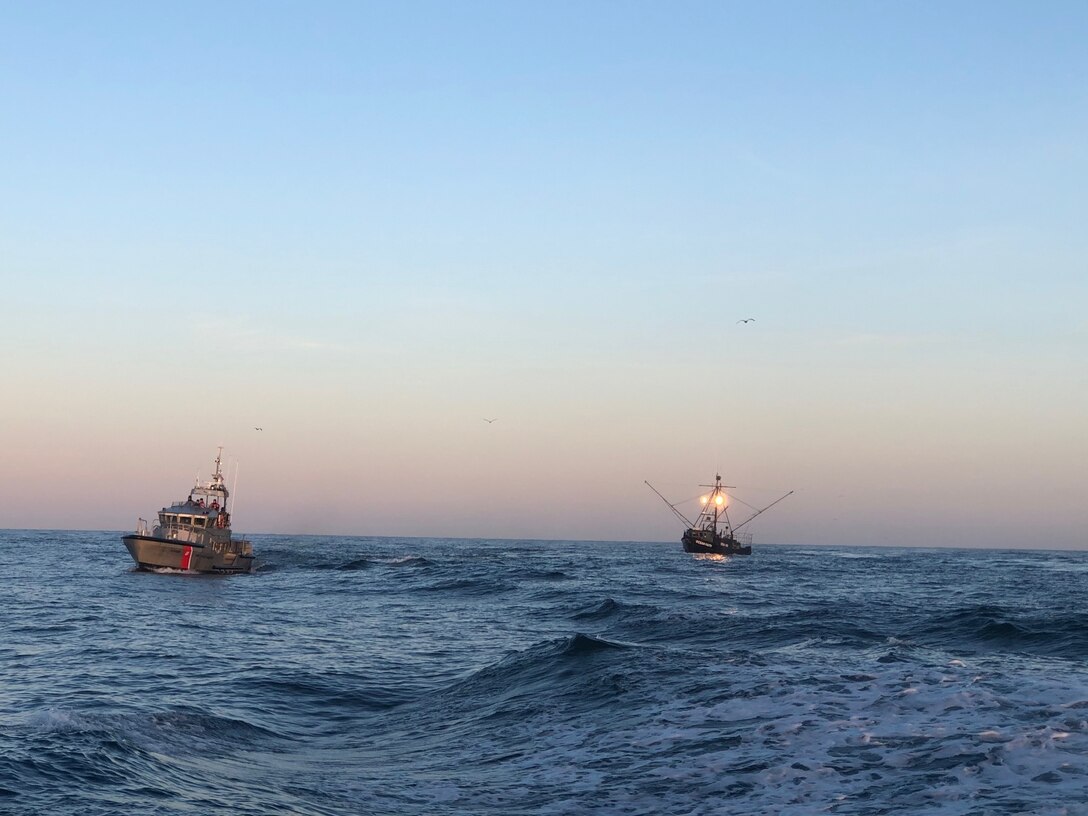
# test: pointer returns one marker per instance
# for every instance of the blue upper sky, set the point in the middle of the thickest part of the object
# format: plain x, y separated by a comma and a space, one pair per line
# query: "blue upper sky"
363, 226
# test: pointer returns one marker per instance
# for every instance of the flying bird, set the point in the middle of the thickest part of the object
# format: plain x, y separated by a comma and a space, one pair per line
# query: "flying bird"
258, 429
746, 320
489, 421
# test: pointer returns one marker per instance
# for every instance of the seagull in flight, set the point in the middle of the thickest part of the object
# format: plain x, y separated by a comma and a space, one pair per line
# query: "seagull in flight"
258, 429
746, 320
489, 421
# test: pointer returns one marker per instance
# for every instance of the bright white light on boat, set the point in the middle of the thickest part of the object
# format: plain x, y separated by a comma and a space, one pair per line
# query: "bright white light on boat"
703, 500
719, 500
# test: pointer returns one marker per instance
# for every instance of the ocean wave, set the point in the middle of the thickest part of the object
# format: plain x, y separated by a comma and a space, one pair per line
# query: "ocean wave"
578, 645
181, 726
131, 757
551, 654
102, 763
408, 561
318, 557
576, 669
372, 561
191, 723
470, 586
605, 609
542, 575
340, 693
817, 627
994, 628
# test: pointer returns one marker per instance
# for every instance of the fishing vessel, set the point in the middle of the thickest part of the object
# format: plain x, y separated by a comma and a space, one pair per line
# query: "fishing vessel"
193, 535
712, 532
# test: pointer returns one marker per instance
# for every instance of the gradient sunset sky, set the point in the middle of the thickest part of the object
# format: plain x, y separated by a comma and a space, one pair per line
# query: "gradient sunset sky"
365, 227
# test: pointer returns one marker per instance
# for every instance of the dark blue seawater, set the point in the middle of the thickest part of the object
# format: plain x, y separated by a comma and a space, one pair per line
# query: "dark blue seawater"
423, 676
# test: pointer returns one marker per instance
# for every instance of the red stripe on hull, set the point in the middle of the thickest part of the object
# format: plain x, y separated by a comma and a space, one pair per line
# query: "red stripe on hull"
186, 557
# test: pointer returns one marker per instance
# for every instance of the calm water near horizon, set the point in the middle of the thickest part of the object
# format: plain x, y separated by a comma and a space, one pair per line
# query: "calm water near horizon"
427, 676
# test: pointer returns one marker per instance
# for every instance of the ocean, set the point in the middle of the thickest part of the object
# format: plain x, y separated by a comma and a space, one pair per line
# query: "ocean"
430, 676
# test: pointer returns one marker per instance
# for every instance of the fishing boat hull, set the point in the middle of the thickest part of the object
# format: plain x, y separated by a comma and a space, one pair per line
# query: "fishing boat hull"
701, 541
215, 558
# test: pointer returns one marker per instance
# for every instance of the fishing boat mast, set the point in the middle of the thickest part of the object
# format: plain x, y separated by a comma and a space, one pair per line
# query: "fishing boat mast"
714, 507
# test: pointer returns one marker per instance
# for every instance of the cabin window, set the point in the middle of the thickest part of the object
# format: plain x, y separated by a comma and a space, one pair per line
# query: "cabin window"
185, 519
199, 521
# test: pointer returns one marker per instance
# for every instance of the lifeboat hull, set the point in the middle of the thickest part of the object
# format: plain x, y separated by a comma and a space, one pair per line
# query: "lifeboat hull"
216, 558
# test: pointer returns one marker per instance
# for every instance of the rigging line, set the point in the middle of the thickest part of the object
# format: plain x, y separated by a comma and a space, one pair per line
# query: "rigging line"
672, 507
685, 501
742, 501
768, 507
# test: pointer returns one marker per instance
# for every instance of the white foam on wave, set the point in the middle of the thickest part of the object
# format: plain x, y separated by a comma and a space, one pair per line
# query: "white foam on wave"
800, 739
56, 720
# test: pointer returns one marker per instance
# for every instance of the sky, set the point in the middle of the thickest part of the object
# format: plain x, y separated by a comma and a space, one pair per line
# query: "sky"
365, 227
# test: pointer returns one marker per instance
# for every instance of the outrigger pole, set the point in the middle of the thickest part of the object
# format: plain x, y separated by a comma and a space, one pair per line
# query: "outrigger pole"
672, 507
768, 507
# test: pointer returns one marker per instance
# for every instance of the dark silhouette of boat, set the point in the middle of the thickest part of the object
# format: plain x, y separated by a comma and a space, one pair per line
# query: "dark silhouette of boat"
193, 535
712, 532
